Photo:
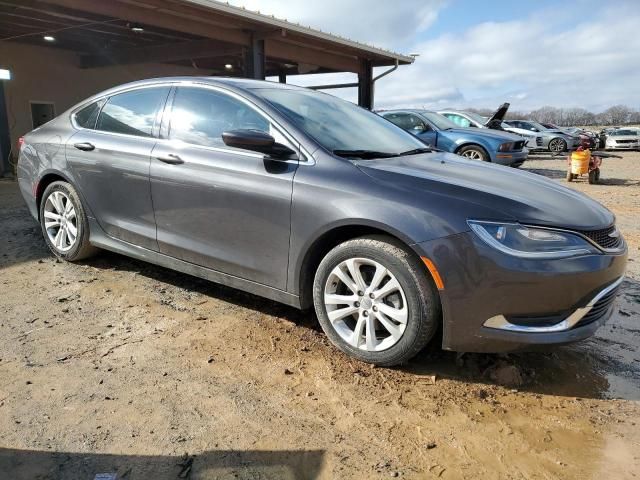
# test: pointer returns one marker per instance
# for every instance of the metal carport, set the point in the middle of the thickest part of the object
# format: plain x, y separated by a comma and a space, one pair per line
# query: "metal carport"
212, 38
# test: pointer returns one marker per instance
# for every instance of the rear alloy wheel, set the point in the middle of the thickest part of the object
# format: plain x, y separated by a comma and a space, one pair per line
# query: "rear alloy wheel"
375, 301
557, 145
474, 152
64, 223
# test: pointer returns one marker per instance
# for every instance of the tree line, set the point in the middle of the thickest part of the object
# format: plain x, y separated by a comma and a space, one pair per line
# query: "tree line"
567, 117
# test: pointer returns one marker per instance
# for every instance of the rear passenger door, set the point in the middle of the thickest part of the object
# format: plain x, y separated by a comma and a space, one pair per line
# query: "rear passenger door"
110, 157
220, 207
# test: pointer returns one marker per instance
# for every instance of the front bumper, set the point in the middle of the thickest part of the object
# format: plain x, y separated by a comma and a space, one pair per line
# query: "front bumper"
622, 146
510, 158
483, 286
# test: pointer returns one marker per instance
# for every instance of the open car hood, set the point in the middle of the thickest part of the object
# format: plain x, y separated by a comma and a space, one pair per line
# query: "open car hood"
495, 121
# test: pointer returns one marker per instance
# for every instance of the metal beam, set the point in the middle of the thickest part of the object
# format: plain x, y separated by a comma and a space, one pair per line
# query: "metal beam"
278, 49
255, 60
5, 139
365, 85
160, 54
150, 16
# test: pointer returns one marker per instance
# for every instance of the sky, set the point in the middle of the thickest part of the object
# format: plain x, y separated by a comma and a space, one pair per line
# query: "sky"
531, 53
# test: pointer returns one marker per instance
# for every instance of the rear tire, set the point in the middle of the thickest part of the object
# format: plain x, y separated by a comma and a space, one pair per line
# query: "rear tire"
64, 223
375, 300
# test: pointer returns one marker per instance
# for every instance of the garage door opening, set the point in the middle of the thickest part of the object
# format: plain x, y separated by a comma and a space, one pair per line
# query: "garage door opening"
42, 112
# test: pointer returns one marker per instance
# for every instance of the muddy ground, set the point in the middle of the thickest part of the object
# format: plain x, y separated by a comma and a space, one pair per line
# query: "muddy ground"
116, 366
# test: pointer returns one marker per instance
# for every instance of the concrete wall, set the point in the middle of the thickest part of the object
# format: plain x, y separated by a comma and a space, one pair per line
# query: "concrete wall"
44, 74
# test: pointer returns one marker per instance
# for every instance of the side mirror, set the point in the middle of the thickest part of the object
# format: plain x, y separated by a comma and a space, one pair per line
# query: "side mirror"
256, 141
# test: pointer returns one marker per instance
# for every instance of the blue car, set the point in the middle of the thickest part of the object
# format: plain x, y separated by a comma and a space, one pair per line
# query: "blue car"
477, 144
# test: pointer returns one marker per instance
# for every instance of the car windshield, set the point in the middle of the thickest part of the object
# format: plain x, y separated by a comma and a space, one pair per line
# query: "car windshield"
477, 117
539, 126
625, 132
440, 121
340, 126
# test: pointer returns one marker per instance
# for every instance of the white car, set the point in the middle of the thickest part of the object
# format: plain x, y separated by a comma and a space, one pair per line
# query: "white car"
623, 139
471, 119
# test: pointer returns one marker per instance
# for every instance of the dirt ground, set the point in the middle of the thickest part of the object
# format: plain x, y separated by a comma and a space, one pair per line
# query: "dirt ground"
117, 366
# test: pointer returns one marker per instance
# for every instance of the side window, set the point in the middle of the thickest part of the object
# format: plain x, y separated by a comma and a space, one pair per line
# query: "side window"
416, 124
200, 116
86, 118
132, 113
406, 121
459, 120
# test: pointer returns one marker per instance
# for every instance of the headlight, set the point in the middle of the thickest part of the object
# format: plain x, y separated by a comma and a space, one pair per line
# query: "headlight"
530, 242
506, 147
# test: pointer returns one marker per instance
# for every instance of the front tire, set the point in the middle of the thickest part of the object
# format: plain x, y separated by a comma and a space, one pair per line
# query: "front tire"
375, 300
557, 145
64, 223
474, 152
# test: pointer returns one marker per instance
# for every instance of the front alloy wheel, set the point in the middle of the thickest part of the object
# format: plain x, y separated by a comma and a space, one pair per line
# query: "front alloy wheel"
375, 300
365, 304
557, 145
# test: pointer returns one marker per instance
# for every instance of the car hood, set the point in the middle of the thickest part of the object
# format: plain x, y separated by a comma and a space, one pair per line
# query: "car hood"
624, 137
485, 132
502, 193
561, 132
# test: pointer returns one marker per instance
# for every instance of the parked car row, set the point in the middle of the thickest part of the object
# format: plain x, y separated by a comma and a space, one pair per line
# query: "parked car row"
439, 132
307, 199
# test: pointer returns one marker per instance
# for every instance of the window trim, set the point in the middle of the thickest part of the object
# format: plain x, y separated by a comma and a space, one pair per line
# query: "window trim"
304, 157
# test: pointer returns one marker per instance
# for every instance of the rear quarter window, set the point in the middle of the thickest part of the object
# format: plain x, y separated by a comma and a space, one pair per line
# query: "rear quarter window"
86, 117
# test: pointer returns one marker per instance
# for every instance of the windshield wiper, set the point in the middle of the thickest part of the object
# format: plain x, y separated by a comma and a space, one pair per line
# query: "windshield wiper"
415, 151
364, 154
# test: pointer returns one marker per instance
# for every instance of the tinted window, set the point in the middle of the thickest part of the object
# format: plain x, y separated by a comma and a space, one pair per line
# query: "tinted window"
200, 116
86, 118
407, 121
133, 113
458, 120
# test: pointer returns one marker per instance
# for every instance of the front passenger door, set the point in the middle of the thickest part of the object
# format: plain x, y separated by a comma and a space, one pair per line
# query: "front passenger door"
219, 207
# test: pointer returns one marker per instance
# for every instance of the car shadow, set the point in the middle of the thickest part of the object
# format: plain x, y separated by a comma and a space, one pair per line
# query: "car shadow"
216, 464
580, 370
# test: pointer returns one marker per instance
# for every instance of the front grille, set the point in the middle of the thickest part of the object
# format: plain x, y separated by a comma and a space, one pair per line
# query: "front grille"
517, 146
601, 308
626, 141
603, 237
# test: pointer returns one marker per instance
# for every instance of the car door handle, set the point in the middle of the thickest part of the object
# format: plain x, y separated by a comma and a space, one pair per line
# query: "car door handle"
171, 159
85, 146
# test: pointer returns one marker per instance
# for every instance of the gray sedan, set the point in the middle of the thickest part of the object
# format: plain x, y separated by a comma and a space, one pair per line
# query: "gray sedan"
306, 199
554, 140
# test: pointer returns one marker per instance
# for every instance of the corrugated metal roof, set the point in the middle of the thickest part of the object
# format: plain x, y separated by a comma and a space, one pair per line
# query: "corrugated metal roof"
273, 21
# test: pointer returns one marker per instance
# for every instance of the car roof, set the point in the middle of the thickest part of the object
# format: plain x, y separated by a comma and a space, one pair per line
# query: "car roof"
237, 84
407, 110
